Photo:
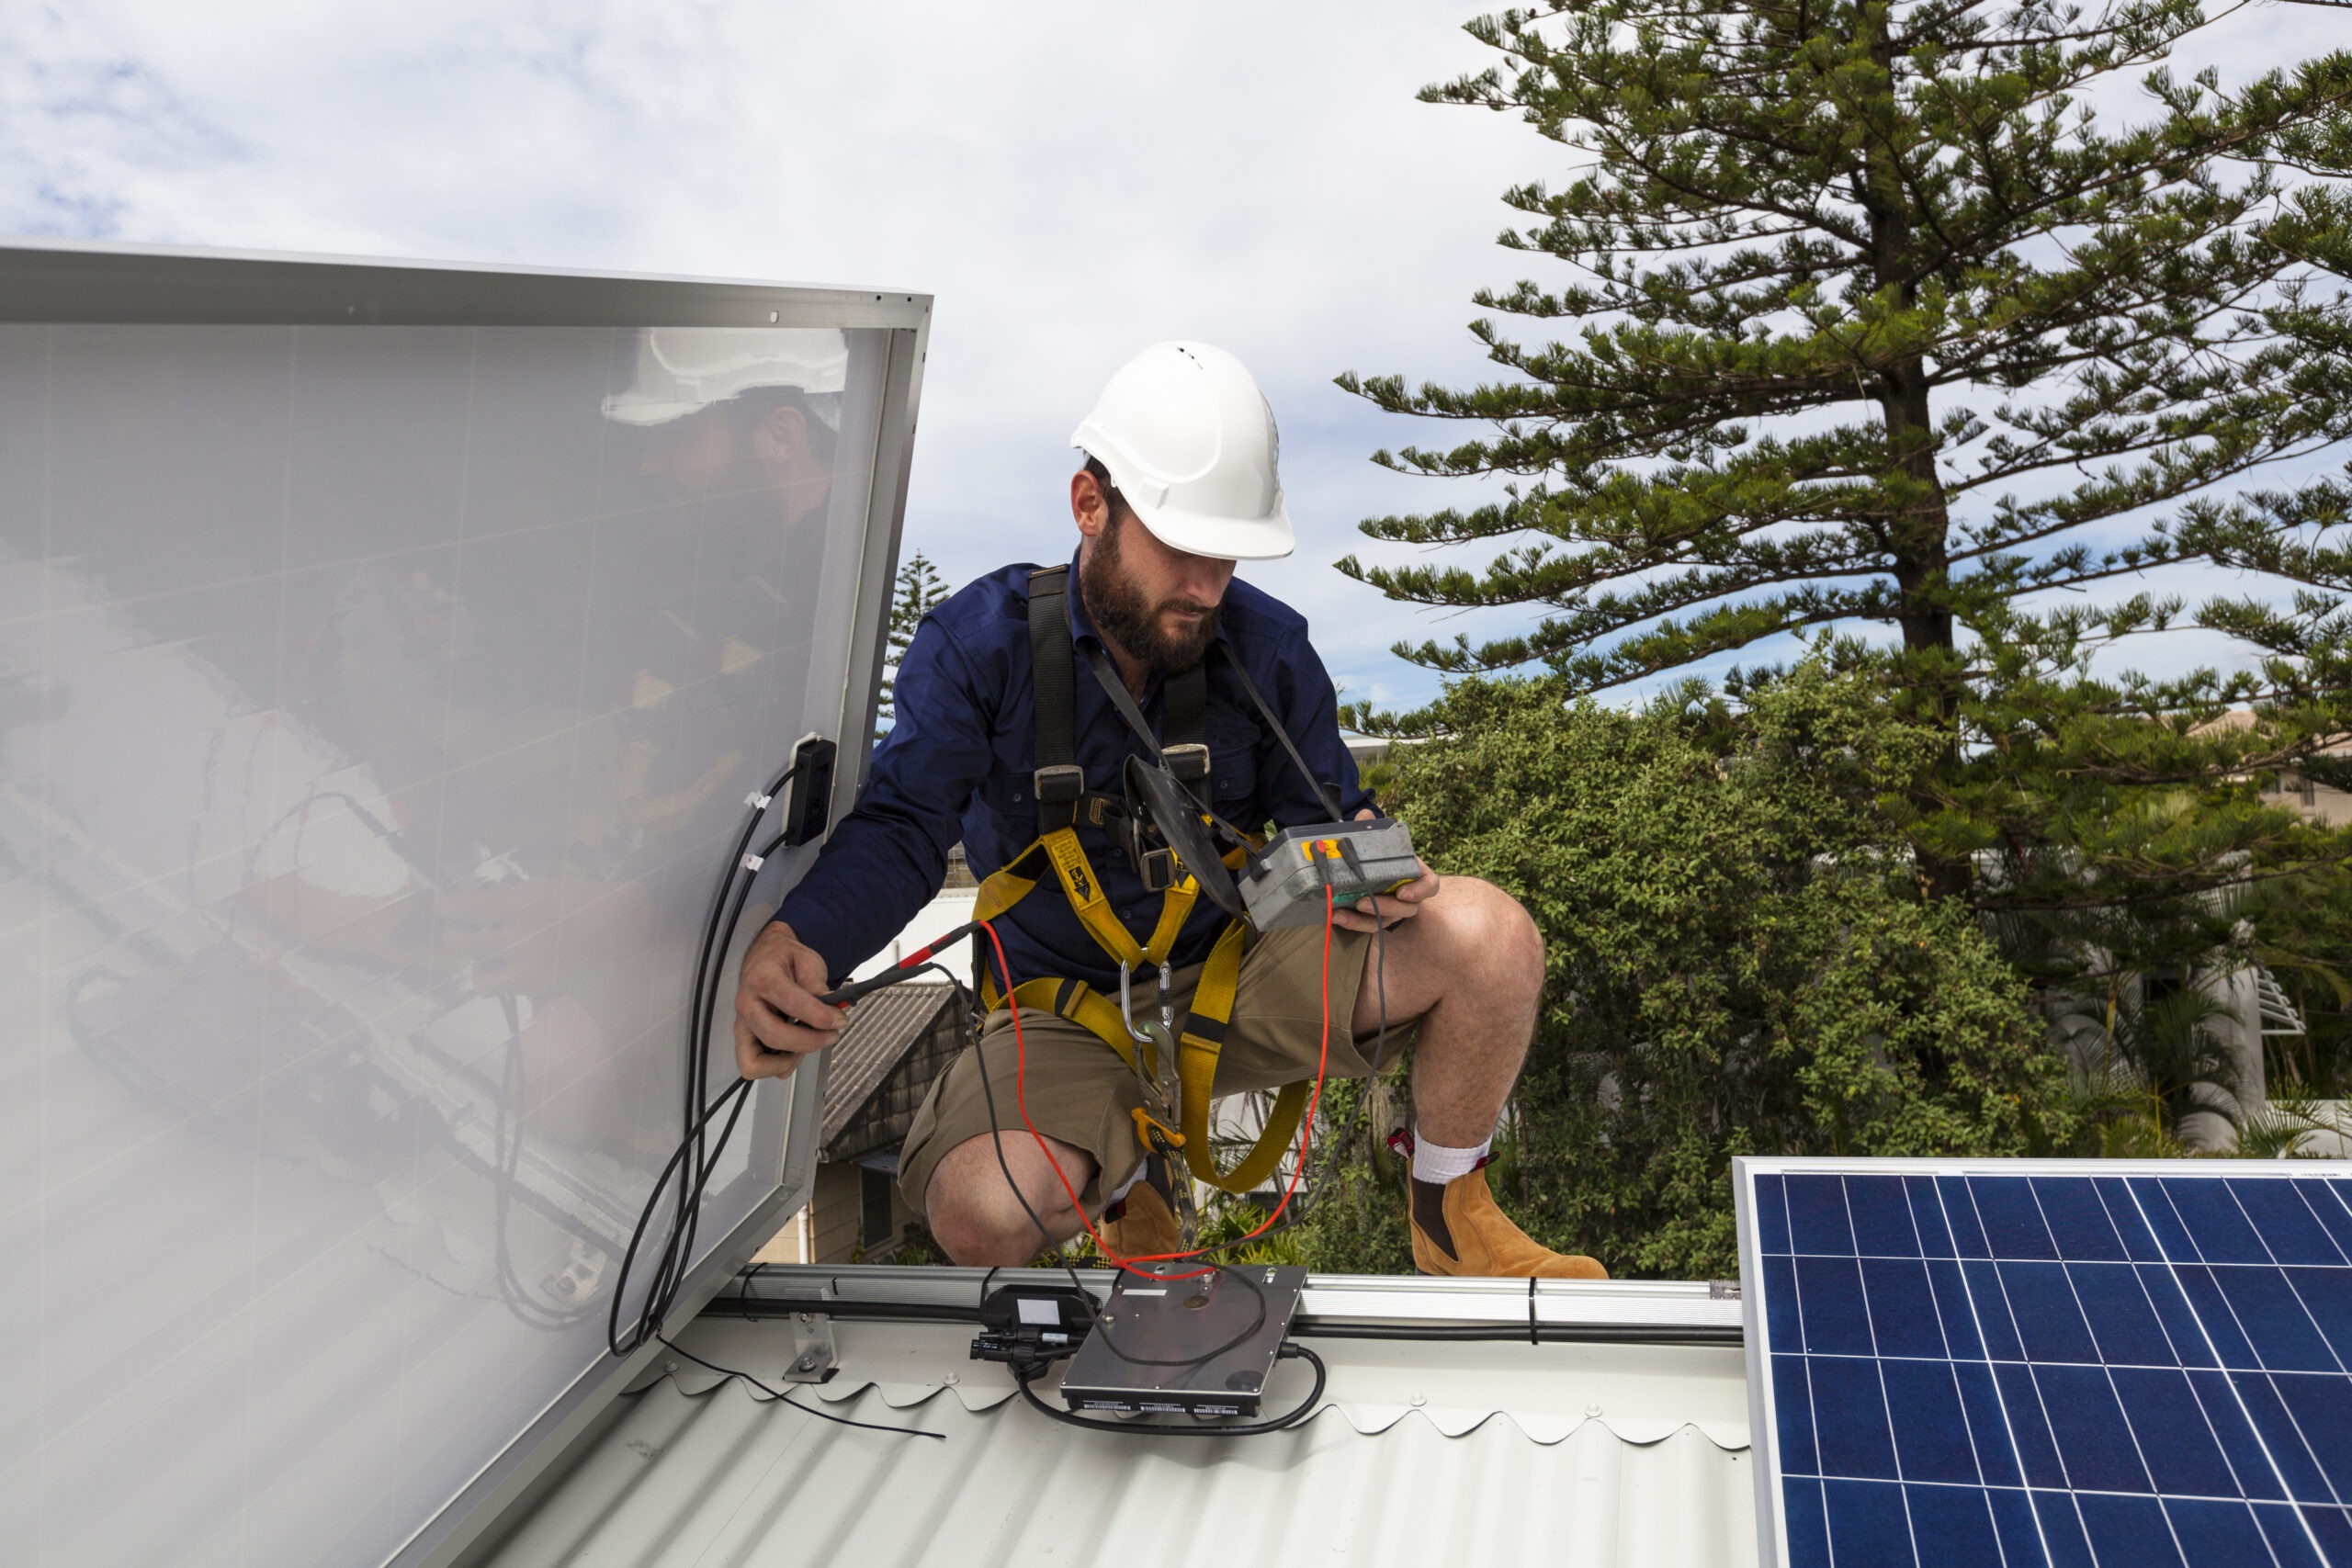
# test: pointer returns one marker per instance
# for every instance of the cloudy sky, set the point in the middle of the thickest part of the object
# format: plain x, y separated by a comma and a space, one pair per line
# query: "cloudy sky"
1070, 181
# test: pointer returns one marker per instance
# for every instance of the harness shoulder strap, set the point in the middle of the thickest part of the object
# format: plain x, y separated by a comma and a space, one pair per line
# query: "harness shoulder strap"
1329, 793
1184, 717
1054, 680
1116, 689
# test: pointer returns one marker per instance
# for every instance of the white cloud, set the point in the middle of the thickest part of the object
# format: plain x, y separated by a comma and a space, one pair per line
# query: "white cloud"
1071, 181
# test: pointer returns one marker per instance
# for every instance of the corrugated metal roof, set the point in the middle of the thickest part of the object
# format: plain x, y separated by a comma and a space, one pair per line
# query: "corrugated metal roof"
879, 1033
1423, 1453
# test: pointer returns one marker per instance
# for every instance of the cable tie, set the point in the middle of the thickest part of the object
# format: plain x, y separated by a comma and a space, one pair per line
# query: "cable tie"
752, 863
757, 801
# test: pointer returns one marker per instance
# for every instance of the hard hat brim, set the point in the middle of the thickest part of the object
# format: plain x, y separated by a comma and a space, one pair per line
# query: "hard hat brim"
1220, 538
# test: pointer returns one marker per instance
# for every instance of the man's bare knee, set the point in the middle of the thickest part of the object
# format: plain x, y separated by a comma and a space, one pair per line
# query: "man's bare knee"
1508, 935
1491, 940
977, 1219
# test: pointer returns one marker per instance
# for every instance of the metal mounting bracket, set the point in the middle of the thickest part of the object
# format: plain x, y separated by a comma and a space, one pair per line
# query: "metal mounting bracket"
814, 1359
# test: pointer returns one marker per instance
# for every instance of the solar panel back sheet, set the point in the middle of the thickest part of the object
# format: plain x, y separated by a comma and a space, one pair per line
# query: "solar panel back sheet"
2021, 1362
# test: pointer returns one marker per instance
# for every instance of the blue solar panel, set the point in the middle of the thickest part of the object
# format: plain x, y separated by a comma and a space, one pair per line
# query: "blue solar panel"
2013, 1363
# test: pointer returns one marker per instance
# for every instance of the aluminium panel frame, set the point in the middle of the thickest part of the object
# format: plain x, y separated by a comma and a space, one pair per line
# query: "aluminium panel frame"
59, 281
46, 282
1772, 1525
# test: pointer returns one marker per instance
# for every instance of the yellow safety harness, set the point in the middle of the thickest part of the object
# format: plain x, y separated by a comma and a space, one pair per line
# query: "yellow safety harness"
1063, 801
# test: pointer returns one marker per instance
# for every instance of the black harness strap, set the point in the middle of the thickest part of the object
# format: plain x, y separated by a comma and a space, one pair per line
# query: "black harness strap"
1059, 780
1184, 717
1329, 793
1185, 704
1063, 798
1116, 689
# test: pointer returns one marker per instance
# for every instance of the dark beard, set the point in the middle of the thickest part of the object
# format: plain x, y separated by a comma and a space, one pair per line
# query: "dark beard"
1122, 615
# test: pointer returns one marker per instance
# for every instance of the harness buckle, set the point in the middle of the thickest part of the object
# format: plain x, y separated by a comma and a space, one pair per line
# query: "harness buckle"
1160, 869
1059, 784
1189, 762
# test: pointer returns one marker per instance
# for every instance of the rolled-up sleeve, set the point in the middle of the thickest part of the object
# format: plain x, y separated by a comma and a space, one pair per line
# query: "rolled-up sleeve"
888, 856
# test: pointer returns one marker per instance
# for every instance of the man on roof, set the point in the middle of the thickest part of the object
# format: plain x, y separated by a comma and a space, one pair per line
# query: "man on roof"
1022, 762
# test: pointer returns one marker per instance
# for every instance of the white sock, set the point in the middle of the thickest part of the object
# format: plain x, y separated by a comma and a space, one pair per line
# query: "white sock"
1435, 1162
1129, 1184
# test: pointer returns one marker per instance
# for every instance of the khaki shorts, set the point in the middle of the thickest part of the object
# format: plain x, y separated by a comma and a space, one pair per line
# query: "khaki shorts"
1082, 1091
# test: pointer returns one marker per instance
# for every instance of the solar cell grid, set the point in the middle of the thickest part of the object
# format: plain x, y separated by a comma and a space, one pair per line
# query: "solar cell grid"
2008, 1364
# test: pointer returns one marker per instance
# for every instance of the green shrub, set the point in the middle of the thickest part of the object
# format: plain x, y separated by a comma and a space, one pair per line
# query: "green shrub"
1739, 961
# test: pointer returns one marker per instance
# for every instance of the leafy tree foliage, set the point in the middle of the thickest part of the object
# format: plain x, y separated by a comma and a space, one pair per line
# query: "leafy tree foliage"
919, 590
1876, 322
1739, 961
1813, 234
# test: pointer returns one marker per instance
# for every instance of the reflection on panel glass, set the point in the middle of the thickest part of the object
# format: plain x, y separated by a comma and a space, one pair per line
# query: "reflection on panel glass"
376, 704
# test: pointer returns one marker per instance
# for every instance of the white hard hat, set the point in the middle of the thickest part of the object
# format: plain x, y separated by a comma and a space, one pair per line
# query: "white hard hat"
681, 370
1191, 444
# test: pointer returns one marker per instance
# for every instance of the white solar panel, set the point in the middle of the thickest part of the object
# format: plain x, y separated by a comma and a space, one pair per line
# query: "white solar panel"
385, 656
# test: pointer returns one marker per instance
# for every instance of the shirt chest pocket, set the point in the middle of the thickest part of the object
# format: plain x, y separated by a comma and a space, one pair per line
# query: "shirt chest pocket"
1233, 769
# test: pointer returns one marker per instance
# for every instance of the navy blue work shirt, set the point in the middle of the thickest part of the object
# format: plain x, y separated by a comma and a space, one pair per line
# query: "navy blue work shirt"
959, 757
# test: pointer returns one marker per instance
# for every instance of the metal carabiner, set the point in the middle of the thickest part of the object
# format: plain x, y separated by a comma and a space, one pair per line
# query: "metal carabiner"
1127, 1008
1167, 1005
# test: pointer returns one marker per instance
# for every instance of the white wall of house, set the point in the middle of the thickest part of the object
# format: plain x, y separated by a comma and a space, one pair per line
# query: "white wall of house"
950, 909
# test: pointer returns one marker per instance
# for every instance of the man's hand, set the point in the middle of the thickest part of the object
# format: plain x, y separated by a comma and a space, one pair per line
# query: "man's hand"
1372, 911
778, 1019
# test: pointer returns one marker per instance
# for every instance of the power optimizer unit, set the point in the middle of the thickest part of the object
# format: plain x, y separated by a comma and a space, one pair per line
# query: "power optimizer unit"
1180, 1339
1284, 884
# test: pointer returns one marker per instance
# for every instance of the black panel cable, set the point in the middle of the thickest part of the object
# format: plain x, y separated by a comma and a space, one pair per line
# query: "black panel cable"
699, 1154
696, 1156
782, 1397
718, 931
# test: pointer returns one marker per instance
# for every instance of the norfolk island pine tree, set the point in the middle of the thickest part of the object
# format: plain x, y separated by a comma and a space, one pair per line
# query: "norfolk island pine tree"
1875, 326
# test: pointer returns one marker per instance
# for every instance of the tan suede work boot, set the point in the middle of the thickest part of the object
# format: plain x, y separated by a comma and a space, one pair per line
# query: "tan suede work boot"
1458, 1229
1141, 1224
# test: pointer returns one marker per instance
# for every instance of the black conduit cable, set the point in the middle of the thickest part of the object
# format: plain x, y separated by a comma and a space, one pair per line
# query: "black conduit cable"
1306, 1327
696, 1086
1694, 1335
